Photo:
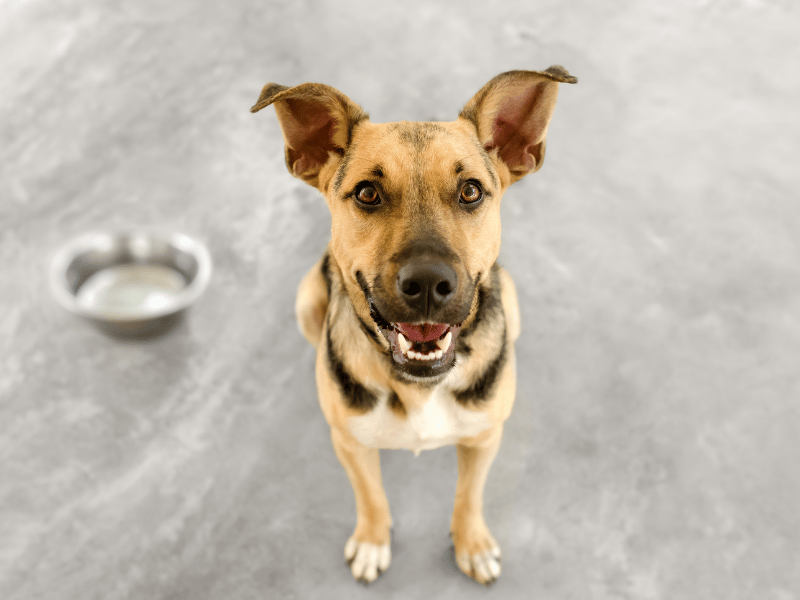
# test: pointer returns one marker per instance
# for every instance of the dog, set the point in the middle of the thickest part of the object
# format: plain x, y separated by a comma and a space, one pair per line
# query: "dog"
413, 321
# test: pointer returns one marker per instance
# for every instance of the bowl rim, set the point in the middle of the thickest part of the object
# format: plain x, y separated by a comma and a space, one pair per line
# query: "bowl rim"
65, 254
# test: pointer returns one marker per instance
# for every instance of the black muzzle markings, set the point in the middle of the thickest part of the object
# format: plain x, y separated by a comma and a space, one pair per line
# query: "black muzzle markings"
418, 349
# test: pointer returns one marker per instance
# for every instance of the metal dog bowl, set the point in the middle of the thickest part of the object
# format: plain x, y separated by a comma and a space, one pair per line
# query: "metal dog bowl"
130, 284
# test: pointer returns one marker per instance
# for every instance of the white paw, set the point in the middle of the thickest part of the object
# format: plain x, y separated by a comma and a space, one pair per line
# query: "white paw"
483, 567
366, 560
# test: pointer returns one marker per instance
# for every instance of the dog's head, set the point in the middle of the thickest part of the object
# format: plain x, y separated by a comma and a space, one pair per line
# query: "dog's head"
415, 206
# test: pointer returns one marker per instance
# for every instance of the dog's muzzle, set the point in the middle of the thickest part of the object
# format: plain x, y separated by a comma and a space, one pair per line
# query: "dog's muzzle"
421, 348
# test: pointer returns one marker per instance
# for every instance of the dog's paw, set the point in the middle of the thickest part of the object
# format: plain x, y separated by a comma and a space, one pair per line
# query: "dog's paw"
367, 561
483, 567
478, 556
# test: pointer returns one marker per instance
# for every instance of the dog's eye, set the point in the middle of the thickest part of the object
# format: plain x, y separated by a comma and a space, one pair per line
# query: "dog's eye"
470, 193
367, 194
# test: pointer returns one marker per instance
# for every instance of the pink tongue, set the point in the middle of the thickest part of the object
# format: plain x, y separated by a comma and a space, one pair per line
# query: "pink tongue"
422, 333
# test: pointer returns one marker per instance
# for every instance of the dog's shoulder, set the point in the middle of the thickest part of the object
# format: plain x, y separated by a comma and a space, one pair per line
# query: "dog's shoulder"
311, 305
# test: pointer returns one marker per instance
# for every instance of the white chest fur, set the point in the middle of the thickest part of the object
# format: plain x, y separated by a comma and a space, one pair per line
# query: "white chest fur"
440, 421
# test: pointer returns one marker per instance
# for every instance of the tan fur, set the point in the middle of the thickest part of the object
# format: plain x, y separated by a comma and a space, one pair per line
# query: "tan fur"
331, 144
312, 304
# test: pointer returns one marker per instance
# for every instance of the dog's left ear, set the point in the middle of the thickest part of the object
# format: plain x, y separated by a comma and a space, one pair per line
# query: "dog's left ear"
511, 114
316, 120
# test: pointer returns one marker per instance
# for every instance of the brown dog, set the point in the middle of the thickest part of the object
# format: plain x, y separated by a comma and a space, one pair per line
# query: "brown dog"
413, 320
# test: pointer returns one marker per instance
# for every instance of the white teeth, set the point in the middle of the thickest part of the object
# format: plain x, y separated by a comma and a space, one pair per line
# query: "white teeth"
444, 343
405, 345
419, 356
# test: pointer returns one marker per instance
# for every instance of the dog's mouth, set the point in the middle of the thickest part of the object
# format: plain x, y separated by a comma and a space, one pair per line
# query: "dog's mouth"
419, 349
422, 342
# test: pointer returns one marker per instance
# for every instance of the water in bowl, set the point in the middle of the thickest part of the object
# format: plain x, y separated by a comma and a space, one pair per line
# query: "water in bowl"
129, 291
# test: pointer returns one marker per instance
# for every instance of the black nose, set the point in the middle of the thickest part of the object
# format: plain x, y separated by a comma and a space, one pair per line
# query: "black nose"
426, 285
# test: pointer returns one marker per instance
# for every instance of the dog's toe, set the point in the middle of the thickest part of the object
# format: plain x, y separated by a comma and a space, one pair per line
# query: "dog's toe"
483, 567
367, 561
477, 554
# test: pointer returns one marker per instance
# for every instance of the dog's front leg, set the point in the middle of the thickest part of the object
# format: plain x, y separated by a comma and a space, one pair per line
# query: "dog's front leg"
477, 554
368, 549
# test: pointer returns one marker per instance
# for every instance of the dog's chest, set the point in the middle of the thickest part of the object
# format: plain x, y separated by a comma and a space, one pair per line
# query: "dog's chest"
440, 421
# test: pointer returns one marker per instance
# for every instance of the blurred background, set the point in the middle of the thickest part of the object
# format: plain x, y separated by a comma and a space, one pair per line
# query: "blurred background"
653, 449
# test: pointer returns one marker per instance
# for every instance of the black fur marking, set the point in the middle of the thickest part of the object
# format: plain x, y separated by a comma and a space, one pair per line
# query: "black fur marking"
425, 384
376, 316
470, 113
426, 242
484, 387
373, 311
459, 167
395, 404
480, 314
341, 172
487, 162
355, 395
362, 283
472, 116
361, 116
419, 135
489, 303
369, 331
326, 272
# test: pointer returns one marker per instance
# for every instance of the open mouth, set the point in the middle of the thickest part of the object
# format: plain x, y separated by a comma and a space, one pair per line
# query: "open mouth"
420, 349
424, 342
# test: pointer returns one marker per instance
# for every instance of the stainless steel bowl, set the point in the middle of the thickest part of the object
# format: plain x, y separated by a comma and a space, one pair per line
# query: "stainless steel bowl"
136, 284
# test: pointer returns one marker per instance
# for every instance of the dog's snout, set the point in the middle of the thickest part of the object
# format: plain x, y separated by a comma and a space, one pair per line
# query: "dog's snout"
426, 285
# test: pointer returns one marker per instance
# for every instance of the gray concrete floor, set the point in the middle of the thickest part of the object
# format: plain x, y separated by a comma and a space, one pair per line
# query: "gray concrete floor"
654, 447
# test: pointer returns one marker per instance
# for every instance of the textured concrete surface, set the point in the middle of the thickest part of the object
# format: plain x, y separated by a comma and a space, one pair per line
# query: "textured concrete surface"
653, 451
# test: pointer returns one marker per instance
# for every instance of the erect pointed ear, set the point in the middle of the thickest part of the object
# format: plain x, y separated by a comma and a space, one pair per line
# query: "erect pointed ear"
316, 120
511, 114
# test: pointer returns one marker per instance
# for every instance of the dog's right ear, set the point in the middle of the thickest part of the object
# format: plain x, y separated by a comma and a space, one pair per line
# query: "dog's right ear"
316, 120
